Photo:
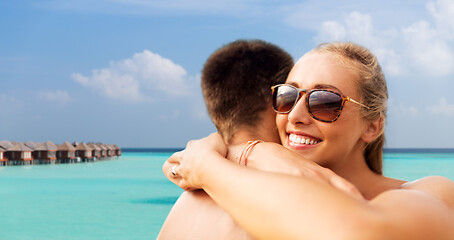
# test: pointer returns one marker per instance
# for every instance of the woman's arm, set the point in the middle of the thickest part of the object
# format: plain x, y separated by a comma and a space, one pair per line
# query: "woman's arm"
272, 157
276, 206
273, 206
269, 157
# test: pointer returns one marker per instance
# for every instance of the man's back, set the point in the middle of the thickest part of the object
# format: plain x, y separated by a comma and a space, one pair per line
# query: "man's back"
196, 216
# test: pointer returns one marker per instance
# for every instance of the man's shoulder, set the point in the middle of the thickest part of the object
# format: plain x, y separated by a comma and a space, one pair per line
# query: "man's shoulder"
193, 204
196, 196
196, 216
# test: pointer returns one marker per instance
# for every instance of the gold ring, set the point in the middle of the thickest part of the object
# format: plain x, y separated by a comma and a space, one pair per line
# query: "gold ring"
173, 171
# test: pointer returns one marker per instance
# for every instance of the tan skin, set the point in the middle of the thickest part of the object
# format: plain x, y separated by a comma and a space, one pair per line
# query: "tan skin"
278, 206
192, 215
343, 141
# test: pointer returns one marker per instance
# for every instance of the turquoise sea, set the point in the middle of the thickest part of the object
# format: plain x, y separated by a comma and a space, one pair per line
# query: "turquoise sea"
128, 198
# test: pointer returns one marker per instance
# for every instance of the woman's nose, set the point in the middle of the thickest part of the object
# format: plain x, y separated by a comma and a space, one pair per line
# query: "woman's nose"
299, 114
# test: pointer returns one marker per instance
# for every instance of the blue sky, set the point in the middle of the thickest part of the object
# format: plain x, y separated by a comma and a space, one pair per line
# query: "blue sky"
128, 71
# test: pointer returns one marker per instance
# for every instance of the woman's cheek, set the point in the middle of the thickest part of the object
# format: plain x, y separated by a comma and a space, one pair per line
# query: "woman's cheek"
281, 122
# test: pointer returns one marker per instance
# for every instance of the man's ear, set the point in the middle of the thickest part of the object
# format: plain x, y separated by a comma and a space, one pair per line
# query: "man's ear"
373, 130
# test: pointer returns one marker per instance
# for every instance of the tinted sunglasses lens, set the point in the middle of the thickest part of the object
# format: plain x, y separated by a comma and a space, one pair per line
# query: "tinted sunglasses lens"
324, 105
284, 97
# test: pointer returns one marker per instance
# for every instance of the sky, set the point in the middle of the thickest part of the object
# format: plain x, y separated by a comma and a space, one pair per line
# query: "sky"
127, 72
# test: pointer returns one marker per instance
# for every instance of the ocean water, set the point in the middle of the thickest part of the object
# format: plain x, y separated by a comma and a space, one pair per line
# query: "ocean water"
413, 164
127, 198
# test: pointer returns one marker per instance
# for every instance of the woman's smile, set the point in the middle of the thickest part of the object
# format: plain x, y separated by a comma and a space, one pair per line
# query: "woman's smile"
324, 143
297, 140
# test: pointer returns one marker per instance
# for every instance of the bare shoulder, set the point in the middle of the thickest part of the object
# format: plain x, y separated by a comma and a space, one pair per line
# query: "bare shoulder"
192, 217
439, 187
422, 209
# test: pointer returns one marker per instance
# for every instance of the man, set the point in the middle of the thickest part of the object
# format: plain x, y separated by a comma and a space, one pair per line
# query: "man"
236, 85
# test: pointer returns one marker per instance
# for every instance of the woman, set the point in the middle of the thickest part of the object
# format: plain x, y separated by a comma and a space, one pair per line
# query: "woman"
331, 111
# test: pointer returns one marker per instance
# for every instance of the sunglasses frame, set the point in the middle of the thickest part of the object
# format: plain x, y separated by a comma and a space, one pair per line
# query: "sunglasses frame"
308, 94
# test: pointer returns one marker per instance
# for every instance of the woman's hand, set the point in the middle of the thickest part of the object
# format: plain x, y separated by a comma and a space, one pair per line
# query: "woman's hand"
186, 168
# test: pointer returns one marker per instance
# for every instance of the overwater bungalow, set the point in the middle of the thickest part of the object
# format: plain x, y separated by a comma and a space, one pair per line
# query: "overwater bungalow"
66, 153
103, 150
15, 153
33, 146
5, 145
45, 153
19, 154
84, 152
3, 159
110, 150
96, 152
117, 150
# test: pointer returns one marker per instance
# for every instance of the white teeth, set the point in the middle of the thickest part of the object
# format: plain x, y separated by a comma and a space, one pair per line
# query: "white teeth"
302, 140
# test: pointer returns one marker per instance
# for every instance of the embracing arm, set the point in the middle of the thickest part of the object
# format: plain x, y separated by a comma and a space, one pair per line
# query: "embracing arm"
276, 206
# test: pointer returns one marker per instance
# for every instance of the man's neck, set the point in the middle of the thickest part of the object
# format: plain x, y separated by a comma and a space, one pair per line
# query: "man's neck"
265, 130
237, 142
243, 136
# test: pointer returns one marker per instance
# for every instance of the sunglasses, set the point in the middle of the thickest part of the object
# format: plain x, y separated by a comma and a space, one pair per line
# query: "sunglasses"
322, 104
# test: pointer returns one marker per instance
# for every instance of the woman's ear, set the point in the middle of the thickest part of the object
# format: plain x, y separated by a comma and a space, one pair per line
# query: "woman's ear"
373, 130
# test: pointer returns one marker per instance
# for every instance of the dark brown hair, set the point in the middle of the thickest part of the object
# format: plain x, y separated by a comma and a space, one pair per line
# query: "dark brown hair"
237, 80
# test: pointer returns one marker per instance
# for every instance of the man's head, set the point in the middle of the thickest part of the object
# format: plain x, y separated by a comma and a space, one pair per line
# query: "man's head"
237, 80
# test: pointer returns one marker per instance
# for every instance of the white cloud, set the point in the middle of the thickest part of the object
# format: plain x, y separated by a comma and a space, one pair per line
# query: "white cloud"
359, 26
418, 48
391, 61
400, 109
331, 31
428, 50
57, 96
443, 13
137, 79
442, 108
310, 14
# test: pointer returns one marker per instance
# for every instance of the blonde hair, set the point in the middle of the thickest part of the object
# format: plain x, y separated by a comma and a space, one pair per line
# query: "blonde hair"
372, 89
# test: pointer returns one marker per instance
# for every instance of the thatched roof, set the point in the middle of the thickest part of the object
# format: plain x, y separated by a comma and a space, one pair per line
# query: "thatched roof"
20, 147
5, 144
32, 145
47, 146
94, 146
102, 146
66, 146
83, 146
50, 146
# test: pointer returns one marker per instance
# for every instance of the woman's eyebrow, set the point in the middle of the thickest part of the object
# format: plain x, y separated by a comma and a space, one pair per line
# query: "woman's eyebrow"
327, 86
318, 86
292, 83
